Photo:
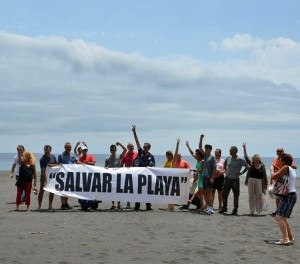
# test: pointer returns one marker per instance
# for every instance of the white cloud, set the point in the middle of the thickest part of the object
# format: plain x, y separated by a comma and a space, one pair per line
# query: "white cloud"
54, 90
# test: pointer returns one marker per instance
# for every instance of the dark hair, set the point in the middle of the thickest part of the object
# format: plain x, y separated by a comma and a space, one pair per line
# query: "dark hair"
208, 146
219, 150
149, 145
113, 146
197, 151
287, 159
48, 146
169, 152
21, 146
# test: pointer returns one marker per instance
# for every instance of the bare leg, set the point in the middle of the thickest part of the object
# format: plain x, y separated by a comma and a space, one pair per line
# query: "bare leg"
281, 221
51, 196
40, 198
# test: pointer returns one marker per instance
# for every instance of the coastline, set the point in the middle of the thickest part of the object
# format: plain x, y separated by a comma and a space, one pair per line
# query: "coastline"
105, 236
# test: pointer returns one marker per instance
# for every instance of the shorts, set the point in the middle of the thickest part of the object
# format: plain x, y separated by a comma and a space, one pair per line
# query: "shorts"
286, 205
207, 185
200, 180
218, 183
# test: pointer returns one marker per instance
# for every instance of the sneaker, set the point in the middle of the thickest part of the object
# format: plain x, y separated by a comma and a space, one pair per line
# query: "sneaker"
51, 209
222, 211
113, 208
212, 211
119, 207
206, 211
149, 208
136, 208
234, 212
184, 207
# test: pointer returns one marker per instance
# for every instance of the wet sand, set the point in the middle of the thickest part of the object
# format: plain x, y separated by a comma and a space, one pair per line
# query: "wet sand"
157, 236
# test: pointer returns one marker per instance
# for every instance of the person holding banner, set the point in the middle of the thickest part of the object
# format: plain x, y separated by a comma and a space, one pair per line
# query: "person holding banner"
145, 159
128, 160
198, 155
170, 163
47, 159
67, 158
115, 161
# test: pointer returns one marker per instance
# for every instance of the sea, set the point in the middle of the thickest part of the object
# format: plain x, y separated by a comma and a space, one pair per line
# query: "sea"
6, 161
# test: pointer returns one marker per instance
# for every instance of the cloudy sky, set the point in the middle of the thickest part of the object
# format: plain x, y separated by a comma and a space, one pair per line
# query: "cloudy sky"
88, 70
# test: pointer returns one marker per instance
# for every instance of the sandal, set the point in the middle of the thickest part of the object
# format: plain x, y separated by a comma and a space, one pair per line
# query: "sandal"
283, 242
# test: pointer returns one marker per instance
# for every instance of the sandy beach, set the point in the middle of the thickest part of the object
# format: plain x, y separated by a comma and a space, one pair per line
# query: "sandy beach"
157, 236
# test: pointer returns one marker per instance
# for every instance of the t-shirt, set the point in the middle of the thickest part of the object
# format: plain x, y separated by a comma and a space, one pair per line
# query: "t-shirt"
87, 157
16, 162
113, 161
233, 166
209, 166
45, 160
146, 160
182, 164
65, 158
277, 164
128, 158
168, 164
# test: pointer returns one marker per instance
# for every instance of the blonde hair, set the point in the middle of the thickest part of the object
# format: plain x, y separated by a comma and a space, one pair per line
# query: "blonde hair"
26, 154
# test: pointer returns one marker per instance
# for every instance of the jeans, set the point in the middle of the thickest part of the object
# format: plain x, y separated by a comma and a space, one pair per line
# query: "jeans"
229, 184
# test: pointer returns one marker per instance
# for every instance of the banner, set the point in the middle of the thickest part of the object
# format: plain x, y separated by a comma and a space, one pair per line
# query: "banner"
135, 184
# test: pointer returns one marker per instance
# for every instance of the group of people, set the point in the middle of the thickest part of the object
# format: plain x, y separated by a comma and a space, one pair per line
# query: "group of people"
211, 174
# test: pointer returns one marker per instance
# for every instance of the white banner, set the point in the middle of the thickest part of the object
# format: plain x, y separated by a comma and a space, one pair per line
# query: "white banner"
135, 184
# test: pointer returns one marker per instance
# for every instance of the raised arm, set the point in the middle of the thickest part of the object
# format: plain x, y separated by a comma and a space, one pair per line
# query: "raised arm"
190, 150
76, 148
245, 154
123, 147
138, 145
176, 151
201, 143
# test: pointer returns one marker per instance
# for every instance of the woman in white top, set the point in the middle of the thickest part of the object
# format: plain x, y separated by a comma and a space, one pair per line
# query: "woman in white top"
287, 202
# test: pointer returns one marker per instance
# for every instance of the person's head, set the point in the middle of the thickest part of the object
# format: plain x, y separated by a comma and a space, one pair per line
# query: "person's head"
28, 158
207, 149
233, 150
199, 154
286, 159
179, 157
68, 147
146, 147
195, 175
113, 149
256, 159
20, 149
169, 155
218, 153
47, 149
279, 151
83, 150
130, 147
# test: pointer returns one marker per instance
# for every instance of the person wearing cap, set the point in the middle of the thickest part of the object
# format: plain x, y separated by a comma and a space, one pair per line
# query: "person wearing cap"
145, 159
233, 165
86, 158
209, 172
67, 157
77, 149
47, 159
